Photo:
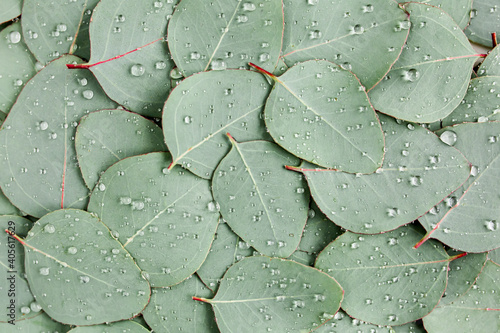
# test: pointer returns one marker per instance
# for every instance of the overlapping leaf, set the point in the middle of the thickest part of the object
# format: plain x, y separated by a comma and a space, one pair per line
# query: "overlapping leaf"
430, 78
415, 176
225, 34
37, 154
165, 219
485, 19
260, 294
10, 9
79, 274
263, 203
343, 32
204, 107
318, 102
491, 64
105, 137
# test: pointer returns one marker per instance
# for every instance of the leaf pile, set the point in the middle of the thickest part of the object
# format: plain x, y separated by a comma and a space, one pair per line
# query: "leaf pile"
250, 166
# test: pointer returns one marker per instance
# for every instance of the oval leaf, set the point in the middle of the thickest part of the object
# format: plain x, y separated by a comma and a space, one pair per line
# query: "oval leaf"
485, 19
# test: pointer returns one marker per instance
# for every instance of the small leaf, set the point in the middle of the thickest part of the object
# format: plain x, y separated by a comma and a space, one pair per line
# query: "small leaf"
204, 107
316, 102
117, 327
476, 311
260, 294
173, 309
485, 19
386, 281
39, 323
341, 322
225, 34
491, 64
71, 252
263, 203
105, 137
10, 9
430, 78
165, 219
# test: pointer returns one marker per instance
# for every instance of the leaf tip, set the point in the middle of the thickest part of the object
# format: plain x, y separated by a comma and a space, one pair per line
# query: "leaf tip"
230, 137
200, 299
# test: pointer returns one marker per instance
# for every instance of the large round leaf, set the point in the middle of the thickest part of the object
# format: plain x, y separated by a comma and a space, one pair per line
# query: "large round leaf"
430, 78
263, 203
10, 9
37, 153
204, 107
386, 281
79, 274
129, 55
165, 219
476, 311
17, 66
261, 294
205, 35
459, 10
418, 172
318, 102
469, 220
54, 28
344, 32
107, 136
485, 19
118, 327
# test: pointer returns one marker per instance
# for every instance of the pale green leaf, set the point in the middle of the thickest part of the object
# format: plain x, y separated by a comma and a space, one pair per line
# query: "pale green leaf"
10, 9
485, 19
459, 10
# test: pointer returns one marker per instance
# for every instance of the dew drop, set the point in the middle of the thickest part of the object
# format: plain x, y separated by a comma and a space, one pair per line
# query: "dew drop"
491, 225
137, 70
49, 228
88, 94
44, 271
72, 250
411, 75
448, 137
14, 37
43, 125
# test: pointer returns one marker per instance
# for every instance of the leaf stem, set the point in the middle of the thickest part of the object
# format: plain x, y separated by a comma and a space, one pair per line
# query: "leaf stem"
494, 39
200, 299
233, 140
16, 237
458, 256
263, 71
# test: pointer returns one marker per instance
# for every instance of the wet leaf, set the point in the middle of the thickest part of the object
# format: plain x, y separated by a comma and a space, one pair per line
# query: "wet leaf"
343, 32
341, 322
476, 311
126, 326
10, 9
204, 107
261, 293
35, 324
459, 10
105, 137
415, 176
71, 256
37, 154
485, 19
387, 282
491, 64
165, 219
225, 34
317, 102
184, 314
430, 78
262, 202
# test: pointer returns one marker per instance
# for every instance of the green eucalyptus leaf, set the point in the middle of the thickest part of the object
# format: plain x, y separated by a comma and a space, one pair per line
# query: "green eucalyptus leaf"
386, 281
227, 249
6, 207
468, 219
485, 19
262, 202
54, 28
3, 115
205, 35
302, 257
126, 326
316, 102
17, 66
173, 309
476, 311
129, 48
494, 256
430, 78
418, 171
344, 32
79, 273
37, 153
414, 327
10, 9
165, 219
105, 137
37, 324
459, 10
491, 64
260, 294
341, 322
204, 107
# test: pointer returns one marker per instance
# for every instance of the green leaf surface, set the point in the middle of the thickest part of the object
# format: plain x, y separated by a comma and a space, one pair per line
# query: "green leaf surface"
6, 207
54, 28
227, 249
204, 107
260, 294
165, 219
414, 327
476, 311
468, 220
343, 32
485, 19
491, 64
105, 137
418, 172
79, 274
10, 9
494, 256
387, 282
341, 322
17, 66
126, 326
262, 202
206, 35
37, 154
37, 324
173, 309
316, 102
459, 10
129, 55
430, 78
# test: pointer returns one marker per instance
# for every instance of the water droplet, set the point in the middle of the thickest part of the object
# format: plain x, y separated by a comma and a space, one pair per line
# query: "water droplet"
357, 29
160, 65
415, 180
84, 279
188, 120
410, 75
218, 65
125, 200
448, 137
49, 228
248, 6
137, 70
35, 307
315, 34
25, 310
491, 225
43, 125
14, 37
312, 2
72, 250
44, 271
368, 9
137, 205
392, 212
